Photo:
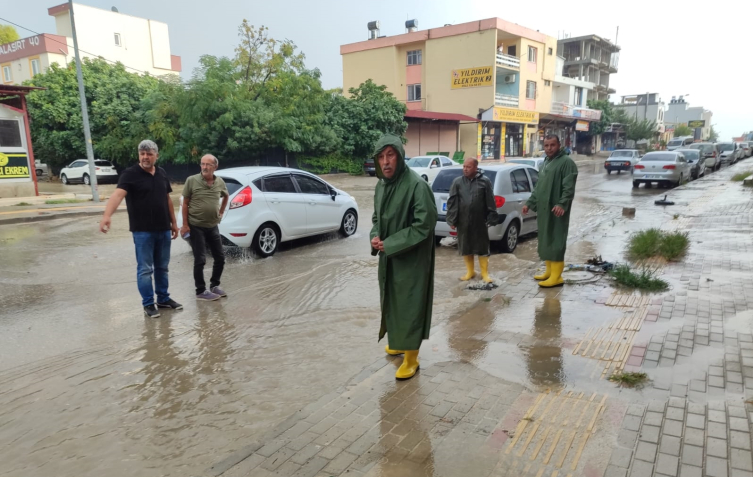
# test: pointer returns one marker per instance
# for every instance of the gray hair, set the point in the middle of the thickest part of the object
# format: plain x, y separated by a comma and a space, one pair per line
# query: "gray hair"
149, 146
216, 161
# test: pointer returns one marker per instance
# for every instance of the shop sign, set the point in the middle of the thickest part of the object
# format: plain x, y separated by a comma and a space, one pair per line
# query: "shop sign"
697, 123
14, 166
472, 77
515, 116
581, 126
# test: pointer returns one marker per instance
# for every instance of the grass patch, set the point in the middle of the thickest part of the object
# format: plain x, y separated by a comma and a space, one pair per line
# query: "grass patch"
644, 280
630, 380
741, 176
22, 204
654, 242
63, 201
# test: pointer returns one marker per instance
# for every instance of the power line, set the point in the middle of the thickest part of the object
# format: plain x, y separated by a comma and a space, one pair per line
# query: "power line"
83, 51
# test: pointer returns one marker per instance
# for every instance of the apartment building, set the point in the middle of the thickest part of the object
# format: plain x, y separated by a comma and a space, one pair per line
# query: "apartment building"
592, 59
679, 112
478, 87
142, 45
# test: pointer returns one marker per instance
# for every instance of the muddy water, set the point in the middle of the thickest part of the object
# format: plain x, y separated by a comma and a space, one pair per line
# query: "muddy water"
89, 387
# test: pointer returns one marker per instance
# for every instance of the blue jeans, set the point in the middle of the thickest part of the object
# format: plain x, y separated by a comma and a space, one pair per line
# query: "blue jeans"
152, 256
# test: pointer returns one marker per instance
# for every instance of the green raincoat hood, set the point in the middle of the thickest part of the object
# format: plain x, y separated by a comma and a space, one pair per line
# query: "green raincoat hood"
394, 141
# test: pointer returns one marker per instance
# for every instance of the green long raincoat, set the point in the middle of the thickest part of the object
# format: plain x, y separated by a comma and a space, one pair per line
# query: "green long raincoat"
556, 186
471, 209
405, 216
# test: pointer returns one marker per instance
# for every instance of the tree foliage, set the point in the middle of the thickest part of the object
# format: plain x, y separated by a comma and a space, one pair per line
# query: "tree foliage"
8, 34
683, 130
643, 129
713, 135
607, 115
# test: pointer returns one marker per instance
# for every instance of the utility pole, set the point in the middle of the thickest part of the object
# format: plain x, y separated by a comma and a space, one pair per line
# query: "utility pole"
84, 110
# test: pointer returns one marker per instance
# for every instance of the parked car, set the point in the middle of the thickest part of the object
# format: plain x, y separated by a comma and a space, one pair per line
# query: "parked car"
728, 152
535, 163
41, 168
679, 142
746, 149
663, 167
697, 165
78, 171
270, 205
368, 167
622, 160
429, 166
512, 186
710, 152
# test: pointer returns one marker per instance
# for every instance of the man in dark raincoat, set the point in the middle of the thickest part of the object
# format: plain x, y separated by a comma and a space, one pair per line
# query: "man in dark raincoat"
552, 200
404, 219
470, 210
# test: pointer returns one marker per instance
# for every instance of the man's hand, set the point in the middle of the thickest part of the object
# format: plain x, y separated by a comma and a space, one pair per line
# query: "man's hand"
558, 211
184, 230
174, 231
377, 244
104, 224
525, 210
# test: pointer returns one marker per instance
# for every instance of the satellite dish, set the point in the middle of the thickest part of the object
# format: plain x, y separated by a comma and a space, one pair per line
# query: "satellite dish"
114, 9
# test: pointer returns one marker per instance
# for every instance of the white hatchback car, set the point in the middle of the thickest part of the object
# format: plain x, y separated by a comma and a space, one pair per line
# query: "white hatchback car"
269, 205
429, 166
78, 171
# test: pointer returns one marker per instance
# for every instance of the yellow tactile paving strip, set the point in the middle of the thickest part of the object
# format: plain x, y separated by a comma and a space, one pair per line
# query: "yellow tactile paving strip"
552, 434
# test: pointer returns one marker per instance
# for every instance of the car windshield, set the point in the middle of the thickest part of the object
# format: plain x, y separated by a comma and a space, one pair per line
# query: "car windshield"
690, 154
419, 161
697, 146
675, 142
621, 154
726, 146
444, 179
102, 163
659, 157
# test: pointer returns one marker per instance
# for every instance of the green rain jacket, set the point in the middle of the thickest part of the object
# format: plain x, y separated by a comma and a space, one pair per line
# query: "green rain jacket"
471, 209
405, 216
556, 186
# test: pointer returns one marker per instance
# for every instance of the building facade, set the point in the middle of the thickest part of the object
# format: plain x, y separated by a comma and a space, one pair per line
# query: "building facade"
492, 66
679, 112
142, 45
591, 59
648, 106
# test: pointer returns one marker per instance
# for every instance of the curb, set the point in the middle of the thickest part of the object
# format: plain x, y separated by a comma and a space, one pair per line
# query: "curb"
42, 218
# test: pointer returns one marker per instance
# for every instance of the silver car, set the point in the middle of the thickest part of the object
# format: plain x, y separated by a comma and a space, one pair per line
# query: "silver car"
729, 152
663, 167
710, 152
622, 160
512, 184
746, 149
535, 162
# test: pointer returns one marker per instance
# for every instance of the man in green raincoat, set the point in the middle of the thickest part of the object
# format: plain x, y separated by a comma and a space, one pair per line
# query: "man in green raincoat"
404, 219
552, 199
471, 210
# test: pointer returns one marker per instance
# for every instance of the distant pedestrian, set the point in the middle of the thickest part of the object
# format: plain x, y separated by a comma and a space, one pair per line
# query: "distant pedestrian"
403, 235
151, 219
552, 199
202, 213
471, 210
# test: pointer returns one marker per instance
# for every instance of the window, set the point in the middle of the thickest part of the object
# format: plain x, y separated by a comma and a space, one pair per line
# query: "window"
435, 162
532, 54
117, 40
414, 92
232, 185
534, 176
279, 184
34, 66
550, 52
446, 162
310, 185
7, 76
547, 83
414, 57
10, 133
579, 96
102, 163
520, 181
530, 90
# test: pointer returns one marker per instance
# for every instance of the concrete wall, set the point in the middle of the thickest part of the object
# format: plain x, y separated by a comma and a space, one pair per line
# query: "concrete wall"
16, 187
424, 137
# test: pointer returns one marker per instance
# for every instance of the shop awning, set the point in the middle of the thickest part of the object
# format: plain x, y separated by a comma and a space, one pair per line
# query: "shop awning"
435, 116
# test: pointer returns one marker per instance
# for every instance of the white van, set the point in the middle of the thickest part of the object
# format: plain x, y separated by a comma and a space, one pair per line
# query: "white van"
679, 142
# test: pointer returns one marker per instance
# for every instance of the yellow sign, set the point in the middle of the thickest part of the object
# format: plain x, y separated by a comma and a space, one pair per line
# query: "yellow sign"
472, 77
515, 116
582, 126
3, 160
14, 166
697, 123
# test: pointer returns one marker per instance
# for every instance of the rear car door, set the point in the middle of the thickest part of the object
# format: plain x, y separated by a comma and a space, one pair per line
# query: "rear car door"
288, 205
322, 213
521, 192
441, 189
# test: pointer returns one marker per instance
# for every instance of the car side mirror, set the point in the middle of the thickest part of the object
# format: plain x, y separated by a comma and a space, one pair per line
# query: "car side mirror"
333, 193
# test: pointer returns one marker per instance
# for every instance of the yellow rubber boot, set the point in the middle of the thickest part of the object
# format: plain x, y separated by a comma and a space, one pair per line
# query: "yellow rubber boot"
469, 265
392, 352
484, 264
409, 367
555, 279
547, 273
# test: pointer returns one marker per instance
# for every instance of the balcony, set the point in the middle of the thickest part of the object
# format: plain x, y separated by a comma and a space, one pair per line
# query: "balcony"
508, 61
506, 100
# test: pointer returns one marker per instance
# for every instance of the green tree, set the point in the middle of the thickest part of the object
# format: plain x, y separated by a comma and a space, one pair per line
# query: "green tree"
621, 116
638, 130
683, 130
713, 135
8, 34
607, 115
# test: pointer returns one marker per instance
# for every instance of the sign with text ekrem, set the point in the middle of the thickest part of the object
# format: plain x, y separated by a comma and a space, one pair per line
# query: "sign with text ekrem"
14, 165
697, 123
472, 77
515, 116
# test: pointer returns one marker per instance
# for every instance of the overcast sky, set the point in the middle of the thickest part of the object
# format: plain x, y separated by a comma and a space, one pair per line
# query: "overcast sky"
667, 47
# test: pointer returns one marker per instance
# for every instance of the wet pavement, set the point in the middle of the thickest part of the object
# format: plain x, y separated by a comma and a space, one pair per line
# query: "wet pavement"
285, 376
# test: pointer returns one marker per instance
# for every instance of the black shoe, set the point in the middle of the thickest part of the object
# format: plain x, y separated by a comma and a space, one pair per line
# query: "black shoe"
170, 304
151, 311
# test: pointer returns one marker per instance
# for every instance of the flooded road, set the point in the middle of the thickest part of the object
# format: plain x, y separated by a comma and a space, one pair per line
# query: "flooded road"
88, 387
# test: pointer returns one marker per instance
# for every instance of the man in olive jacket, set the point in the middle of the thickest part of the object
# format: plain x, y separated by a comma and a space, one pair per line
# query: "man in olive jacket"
552, 199
403, 235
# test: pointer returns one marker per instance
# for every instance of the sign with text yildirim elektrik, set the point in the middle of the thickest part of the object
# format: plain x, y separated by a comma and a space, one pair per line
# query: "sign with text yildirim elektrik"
472, 77
14, 165
509, 115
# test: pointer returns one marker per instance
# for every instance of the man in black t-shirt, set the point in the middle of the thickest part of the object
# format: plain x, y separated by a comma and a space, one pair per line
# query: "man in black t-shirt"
151, 217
